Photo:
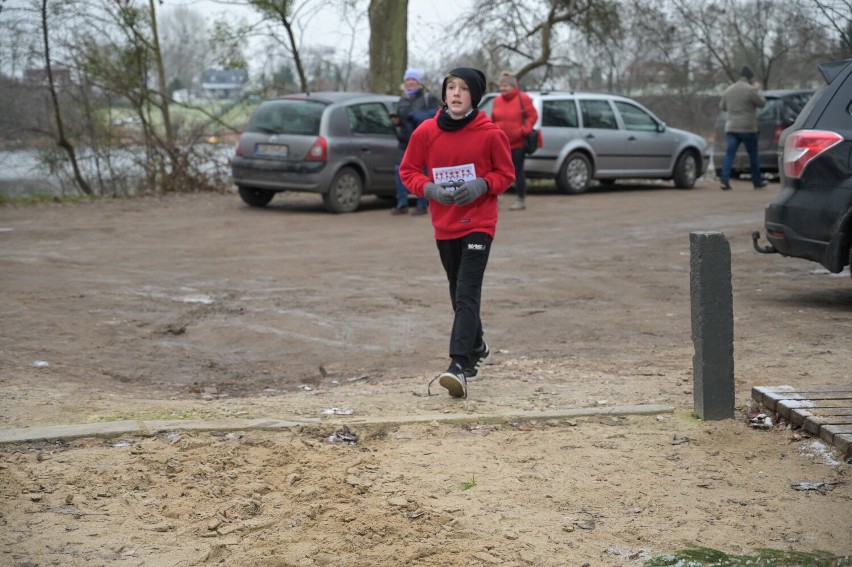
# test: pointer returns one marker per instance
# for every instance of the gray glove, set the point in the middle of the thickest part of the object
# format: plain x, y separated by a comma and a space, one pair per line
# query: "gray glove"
470, 192
438, 193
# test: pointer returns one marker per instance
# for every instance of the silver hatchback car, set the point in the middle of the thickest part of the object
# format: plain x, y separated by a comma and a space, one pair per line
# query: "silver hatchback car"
607, 137
340, 145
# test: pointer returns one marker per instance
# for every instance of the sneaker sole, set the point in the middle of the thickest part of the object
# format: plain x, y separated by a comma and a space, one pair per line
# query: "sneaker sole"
453, 385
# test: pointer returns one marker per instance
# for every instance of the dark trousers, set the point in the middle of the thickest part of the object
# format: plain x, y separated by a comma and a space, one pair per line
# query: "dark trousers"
402, 193
518, 157
749, 140
464, 259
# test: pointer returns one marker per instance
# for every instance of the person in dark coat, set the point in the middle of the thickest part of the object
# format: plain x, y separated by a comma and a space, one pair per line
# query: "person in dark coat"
415, 106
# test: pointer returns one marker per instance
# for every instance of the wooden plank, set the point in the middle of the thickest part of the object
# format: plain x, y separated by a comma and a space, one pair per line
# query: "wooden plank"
831, 411
843, 442
828, 432
823, 411
759, 393
813, 423
784, 407
839, 395
800, 389
798, 416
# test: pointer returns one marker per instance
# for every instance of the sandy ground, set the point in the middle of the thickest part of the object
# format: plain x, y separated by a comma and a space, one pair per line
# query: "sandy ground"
198, 307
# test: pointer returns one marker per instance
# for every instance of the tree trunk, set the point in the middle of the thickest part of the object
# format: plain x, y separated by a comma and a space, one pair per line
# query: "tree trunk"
163, 101
61, 140
388, 44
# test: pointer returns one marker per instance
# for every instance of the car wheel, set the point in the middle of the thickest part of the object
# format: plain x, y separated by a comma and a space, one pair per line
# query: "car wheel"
344, 195
685, 171
575, 175
256, 197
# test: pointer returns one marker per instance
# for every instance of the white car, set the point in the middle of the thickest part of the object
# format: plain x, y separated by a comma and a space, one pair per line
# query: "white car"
607, 137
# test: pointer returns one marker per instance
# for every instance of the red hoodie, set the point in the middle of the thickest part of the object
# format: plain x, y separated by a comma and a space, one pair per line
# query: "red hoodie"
480, 143
506, 113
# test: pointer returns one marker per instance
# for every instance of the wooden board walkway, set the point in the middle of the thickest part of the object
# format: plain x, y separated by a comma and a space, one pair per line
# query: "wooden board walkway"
823, 411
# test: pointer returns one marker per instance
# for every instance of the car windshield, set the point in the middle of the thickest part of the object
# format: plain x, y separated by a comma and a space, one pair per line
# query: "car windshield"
287, 117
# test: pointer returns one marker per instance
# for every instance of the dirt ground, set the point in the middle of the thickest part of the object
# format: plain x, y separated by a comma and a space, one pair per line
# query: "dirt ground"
198, 307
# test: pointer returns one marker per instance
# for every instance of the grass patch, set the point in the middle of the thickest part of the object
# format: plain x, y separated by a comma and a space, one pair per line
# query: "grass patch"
695, 556
468, 484
40, 198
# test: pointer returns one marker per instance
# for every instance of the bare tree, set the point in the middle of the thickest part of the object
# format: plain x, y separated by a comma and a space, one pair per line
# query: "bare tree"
292, 16
183, 44
837, 14
735, 33
61, 139
526, 35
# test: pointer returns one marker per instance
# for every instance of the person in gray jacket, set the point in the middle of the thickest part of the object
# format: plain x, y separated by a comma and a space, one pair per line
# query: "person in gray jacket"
741, 101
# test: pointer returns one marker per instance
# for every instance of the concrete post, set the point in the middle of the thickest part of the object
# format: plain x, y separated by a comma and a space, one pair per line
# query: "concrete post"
712, 325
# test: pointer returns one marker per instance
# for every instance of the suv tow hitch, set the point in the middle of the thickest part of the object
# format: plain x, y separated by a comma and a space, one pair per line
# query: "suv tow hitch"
768, 249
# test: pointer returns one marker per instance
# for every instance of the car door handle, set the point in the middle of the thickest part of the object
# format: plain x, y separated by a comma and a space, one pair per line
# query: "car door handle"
366, 149
589, 136
631, 139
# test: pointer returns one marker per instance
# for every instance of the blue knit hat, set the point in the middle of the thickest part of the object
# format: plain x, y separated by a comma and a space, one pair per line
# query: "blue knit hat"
412, 73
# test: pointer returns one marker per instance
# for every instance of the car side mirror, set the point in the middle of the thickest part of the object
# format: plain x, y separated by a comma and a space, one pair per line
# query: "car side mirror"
661, 127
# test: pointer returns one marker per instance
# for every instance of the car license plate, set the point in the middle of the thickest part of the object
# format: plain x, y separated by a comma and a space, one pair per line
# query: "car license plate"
271, 150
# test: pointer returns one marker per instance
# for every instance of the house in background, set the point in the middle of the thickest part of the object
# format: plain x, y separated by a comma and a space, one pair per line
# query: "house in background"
224, 83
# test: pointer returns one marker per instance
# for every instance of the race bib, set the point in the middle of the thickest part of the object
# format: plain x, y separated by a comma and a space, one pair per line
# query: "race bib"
455, 176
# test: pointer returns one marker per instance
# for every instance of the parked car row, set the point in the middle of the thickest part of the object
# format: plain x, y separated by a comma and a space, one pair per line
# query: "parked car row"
811, 218
343, 146
588, 136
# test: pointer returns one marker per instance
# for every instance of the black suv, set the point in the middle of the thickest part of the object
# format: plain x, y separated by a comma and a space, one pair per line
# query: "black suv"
812, 216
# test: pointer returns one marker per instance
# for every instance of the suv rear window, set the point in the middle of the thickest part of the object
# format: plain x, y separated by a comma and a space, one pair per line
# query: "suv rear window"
287, 117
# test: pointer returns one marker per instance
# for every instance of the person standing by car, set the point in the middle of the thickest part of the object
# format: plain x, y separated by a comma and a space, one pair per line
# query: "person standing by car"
415, 106
461, 161
514, 113
741, 101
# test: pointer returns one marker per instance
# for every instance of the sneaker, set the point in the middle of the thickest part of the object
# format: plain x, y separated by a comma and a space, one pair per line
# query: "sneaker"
726, 186
480, 357
399, 210
454, 381
419, 211
518, 205
761, 185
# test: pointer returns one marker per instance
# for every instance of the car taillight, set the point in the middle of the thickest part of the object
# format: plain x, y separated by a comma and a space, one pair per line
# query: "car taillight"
237, 150
803, 146
776, 136
319, 151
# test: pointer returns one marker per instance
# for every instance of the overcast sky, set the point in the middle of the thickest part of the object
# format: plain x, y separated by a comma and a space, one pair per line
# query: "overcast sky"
426, 21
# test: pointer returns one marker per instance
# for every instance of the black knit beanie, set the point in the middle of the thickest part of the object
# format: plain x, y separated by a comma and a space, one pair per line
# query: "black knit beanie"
747, 73
475, 80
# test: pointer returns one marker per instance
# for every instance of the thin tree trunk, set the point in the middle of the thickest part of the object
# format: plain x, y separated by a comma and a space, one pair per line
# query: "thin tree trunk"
163, 103
61, 141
